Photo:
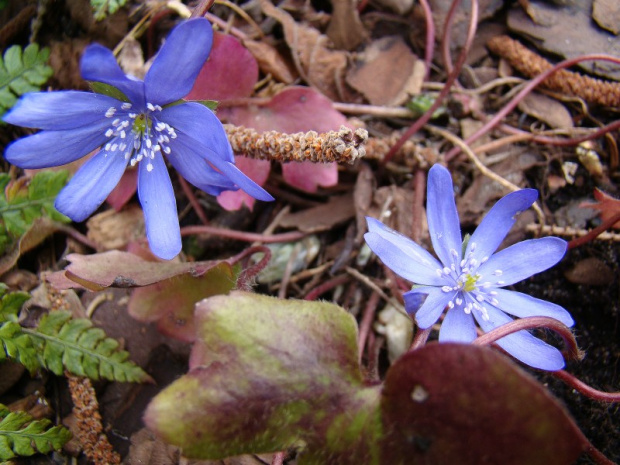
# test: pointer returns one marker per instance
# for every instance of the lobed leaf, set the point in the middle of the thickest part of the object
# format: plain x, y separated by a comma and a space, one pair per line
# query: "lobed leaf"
20, 435
22, 71
24, 200
63, 343
11, 303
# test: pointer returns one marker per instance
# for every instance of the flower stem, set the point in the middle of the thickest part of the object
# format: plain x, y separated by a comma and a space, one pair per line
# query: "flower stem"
572, 351
585, 389
608, 223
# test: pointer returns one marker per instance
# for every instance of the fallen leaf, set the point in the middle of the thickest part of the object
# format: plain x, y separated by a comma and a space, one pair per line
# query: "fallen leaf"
547, 110
321, 67
271, 61
382, 70
38, 231
590, 271
606, 13
228, 58
345, 28
114, 230
337, 210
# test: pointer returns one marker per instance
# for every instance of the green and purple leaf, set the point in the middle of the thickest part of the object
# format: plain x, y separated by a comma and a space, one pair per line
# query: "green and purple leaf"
268, 374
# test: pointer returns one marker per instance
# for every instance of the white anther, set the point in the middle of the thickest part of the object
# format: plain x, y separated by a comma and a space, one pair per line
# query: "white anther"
472, 246
113, 148
107, 146
498, 272
115, 122
109, 133
132, 115
150, 106
439, 272
447, 270
500, 283
126, 106
123, 134
480, 298
459, 301
133, 162
110, 112
167, 150
148, 143
454, 253
446, 289
149, 167
450, 305
484, 260
122, 146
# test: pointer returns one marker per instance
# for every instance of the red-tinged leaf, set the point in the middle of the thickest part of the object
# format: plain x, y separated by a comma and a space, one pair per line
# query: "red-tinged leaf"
171, 302
453, 403
122, 269
124, 190
606, 205
230, 72
257, 171
267, 374
296, 109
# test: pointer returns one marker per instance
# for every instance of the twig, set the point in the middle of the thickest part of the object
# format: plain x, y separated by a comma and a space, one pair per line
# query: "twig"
590, 236
326, 286
460, 143
366, 323
242, 235
531, 64
570, 232
343, 146
89, 429
368, 283
193, 201
202, 8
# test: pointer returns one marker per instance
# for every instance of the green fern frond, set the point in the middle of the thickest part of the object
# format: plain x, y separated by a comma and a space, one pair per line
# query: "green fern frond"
63, 343
23, 200
18, 346
103, 8
20, 435
11, 303
21, 72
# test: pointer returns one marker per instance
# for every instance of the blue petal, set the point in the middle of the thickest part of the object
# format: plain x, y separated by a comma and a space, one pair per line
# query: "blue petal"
443, 219
433, 306
195, 169
523, 260
55, 148
91, 185
99, 65
522, 345
59, 110
402, 255
179, 61
160, 208
498, 221
237, 176
457, 326
523, 305
201, 124
415, 299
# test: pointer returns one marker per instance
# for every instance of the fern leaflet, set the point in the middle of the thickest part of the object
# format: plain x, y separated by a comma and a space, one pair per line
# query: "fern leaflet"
75, 345
23, 200
103, 8
22, 71
20, 435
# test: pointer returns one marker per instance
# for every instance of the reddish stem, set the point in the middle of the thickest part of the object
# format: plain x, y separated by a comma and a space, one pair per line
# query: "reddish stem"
415, 127
278, 458
598, 456
366, 323
585, 389
189, 193
202, 8
420, 338
430, 37
242, 235
326, 286
572, 351
494, 121
608, 223
78, 236
419, 186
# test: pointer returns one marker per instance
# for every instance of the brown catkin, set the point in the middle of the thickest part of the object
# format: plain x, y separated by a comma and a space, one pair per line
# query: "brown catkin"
90, 433
343, 146
567, 82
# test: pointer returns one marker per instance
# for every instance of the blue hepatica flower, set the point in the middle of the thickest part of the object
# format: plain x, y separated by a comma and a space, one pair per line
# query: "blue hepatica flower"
469, 279
137, 129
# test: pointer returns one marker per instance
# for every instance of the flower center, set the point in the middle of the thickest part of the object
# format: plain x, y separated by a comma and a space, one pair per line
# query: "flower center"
470, 282
136, 136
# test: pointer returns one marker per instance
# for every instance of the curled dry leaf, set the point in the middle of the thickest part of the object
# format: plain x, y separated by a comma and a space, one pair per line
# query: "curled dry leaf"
321, 67
607, 206
547, 110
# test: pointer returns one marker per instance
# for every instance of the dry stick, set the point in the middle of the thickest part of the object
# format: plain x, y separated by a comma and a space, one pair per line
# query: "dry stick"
425, 118
570, 232
202, 8
89, 429
595, 232
531, 322
495, 120
418, 204
343, 146
326, 286
567, 82
366, 280
460, 143
242, 235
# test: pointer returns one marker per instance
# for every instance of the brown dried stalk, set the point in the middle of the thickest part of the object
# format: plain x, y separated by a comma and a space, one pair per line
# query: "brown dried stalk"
531, 64
89, 429
343, 146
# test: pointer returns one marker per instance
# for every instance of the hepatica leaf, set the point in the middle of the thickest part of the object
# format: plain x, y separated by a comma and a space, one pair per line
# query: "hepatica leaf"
453, 403
171, 302
268, 374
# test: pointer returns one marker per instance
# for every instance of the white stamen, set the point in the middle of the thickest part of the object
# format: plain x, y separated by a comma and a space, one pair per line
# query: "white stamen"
123, 134
109, 133
110, 112
150, 106
446, 289
149, 167
459, 301
126, 106
107, 146
498, 272
450, 305
167, 150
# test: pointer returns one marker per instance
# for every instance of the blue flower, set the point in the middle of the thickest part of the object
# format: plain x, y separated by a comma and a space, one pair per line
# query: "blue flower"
469, 278
135, 123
